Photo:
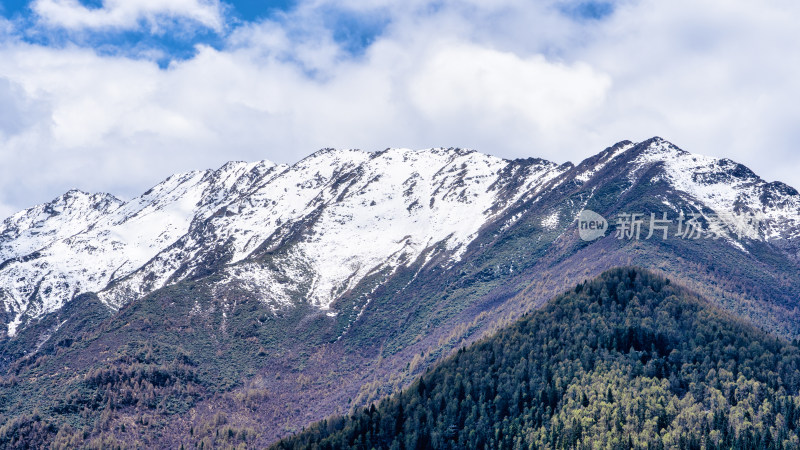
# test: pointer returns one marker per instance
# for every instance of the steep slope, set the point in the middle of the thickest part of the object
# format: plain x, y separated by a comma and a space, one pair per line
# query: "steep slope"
402, 202
628, 360
79, 243
746, 258
37, 227
297, 292
319, 213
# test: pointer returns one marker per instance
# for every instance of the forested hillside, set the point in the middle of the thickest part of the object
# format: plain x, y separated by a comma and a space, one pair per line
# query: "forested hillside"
242, 305
627, 360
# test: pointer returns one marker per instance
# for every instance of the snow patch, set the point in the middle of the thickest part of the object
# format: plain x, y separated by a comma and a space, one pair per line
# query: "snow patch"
551, 221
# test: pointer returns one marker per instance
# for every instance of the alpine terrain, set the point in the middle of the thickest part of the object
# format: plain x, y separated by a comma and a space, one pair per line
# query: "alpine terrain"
234, 307
641, 363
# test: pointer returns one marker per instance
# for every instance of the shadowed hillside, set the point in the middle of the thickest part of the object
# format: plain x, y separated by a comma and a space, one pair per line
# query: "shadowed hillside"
628, 360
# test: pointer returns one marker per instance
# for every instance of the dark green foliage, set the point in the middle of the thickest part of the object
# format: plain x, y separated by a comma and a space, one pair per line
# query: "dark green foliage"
132, 379
626, 361
27, 431
59, 330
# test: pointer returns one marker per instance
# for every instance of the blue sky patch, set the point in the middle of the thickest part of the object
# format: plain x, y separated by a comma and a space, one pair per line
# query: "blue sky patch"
590, 10
92, 4
176, 39
11, 8
356, 32
251, 11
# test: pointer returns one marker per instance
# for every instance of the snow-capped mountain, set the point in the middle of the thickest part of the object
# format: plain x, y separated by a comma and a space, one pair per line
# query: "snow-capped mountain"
283, 294
80, 242
346, 213
314, 230
725, 186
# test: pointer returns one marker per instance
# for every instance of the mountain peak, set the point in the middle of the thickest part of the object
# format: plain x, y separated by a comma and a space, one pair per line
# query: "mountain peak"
387, 256
663, 146
80, 195
654, 146
405, 203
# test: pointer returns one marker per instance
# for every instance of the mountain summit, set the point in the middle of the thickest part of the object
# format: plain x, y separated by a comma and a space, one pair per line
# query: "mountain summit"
335, 218
319, 212
324, 285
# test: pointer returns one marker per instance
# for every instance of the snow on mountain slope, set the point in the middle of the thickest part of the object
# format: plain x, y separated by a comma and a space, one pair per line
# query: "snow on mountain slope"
313, 230
344, 214
603, 160
731, 190
109, 244
37, 227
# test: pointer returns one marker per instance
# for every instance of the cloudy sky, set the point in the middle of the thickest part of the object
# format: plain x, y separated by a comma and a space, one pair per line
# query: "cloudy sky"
115, 95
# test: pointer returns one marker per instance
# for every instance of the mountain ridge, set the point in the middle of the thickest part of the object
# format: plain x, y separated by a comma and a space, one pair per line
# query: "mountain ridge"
246, 173
205, 206
625, 360
293, 287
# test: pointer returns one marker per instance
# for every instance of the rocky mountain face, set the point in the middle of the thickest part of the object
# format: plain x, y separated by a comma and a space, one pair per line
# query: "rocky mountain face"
337, 216
332, 282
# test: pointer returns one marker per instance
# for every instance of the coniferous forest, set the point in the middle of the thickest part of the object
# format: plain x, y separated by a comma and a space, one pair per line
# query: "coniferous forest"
627, 360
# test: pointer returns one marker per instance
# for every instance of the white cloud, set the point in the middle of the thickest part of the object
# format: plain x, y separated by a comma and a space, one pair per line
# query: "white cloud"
19, 112
127, 14
458, 80
713, 77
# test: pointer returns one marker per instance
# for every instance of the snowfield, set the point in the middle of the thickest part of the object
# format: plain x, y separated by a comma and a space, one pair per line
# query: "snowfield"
324, 223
